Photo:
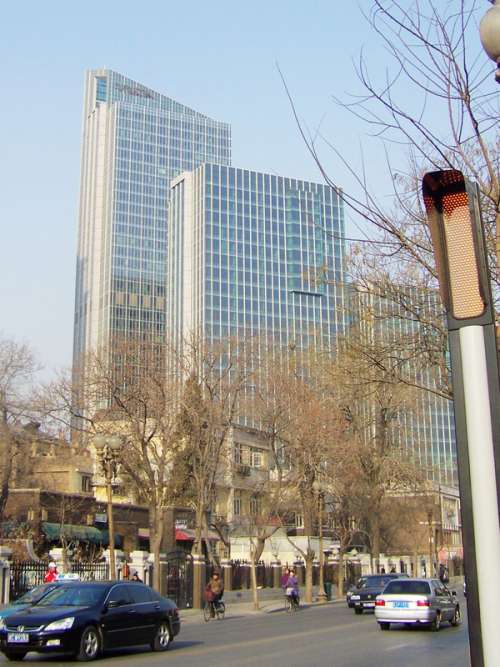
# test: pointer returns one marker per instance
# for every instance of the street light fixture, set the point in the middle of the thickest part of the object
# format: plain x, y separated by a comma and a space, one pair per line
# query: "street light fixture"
322, 596
454, 219
489, 32
107, 450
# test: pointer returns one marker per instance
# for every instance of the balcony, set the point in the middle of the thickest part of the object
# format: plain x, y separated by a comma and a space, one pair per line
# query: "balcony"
242, 469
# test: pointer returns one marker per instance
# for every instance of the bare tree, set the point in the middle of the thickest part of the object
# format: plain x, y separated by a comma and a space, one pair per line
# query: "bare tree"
130, 394
217, 377
17, 368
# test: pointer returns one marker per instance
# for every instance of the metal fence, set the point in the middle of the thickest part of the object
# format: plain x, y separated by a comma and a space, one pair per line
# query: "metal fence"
89, 571
25, 575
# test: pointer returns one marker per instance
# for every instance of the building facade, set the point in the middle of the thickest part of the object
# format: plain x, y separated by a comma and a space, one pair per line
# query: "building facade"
255, 254
135, 140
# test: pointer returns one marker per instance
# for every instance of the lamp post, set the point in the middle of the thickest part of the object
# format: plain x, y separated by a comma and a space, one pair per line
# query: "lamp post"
454, 219
107, 450
322, 596
489, 32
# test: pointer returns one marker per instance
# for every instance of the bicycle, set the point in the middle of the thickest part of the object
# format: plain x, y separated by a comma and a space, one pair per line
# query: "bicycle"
291, 604
214, 610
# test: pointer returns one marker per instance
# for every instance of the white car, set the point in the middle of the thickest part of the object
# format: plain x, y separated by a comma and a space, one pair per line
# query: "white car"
416, 601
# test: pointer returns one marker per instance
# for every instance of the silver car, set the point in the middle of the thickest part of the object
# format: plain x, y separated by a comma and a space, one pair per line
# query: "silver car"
416, 601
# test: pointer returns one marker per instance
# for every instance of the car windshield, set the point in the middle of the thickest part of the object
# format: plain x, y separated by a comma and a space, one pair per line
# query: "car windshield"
375, 582
74, 596
33, 595
405, 587
361, 582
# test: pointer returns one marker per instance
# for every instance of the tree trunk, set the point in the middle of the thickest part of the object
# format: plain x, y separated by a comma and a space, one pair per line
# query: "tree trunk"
198, 534
375, 539
340, 575
155, 540
309, 578
253, 577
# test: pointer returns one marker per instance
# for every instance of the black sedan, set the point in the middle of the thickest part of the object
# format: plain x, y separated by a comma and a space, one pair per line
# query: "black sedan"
363, 596
85, 618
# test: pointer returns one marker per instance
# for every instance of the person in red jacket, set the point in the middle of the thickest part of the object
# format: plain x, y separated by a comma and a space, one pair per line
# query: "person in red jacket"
51, 574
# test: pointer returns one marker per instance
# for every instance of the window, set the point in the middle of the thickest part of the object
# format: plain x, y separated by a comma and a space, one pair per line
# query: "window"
256, 458
299, 521
139, 593
119, 594
86, 483
237, 503
255, 506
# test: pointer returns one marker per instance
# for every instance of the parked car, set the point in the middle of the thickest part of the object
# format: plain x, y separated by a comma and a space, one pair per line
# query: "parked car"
352, 589
372, 585
27, 600
85, 618
415, 601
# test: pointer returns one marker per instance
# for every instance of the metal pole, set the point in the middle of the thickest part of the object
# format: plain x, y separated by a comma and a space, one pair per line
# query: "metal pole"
322, 597
111, 529
483, 483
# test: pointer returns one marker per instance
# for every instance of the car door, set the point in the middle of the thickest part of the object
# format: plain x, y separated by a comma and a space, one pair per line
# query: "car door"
117, 619
145, 612
441, 598
450, 602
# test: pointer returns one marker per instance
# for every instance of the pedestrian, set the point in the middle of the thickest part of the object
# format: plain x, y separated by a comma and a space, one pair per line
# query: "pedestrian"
135, 577
393, 570
284, 578
214, 591
51, 574
292, 588
443, 573
382, 570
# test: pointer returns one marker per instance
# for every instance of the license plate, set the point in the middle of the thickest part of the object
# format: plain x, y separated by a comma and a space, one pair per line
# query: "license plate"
18, 638
369, 604
400, 605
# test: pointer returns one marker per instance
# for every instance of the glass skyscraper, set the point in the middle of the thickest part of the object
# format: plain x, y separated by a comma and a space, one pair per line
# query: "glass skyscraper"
135, 141
255, 254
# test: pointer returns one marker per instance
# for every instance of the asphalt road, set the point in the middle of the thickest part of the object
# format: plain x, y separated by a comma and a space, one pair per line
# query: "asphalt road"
331, 635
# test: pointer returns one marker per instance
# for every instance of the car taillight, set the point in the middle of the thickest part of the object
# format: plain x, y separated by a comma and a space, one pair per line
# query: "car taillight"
423, 603
380, 603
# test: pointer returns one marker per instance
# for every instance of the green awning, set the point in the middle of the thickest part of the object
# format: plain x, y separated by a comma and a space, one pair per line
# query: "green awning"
53, 531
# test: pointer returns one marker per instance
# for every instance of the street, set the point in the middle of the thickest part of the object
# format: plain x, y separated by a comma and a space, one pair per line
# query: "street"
329, 635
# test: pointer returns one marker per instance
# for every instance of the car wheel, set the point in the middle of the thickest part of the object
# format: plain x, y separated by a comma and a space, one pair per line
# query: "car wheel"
385, 626
90, 645
18, 655
162, 638
358, 610
457, 617
436, 623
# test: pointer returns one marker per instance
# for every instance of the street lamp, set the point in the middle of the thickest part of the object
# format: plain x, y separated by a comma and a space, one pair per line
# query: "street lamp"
454, 219
489, 32
107, 450
322, 596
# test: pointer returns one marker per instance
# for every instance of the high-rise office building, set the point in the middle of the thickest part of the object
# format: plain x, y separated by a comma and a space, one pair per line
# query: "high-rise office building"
252, 254
401, 324
135, 141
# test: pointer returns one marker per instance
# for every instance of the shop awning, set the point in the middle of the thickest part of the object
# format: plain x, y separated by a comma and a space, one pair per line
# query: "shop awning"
53, 531
188, 535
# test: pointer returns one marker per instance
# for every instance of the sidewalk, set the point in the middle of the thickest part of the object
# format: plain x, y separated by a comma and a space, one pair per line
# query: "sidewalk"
266, 606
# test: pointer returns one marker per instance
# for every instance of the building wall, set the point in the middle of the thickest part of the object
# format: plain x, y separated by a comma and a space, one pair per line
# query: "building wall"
135, 140
255, 254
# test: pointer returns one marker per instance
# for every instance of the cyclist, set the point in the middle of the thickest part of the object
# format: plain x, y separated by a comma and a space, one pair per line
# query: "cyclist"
292, 588
214, 591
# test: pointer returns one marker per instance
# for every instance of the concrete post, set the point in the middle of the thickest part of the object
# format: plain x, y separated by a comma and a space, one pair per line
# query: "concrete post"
139, 563
199, 581
245, 576
57, 555
227, 574
163, 574
5, 556
119, 558
276, 565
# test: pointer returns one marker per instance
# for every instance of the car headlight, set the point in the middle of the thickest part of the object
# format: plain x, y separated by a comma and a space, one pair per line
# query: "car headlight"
63, 624
354, 597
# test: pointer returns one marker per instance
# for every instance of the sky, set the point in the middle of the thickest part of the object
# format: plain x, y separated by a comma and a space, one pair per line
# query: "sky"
218, 57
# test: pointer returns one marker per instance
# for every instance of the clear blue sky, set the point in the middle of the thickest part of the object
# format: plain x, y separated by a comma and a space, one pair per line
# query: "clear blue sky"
218, 57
